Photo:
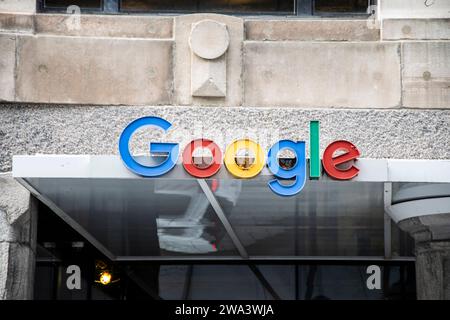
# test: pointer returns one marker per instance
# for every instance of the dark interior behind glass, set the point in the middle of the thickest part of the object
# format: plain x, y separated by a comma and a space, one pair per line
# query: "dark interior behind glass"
340, 5
89, 4
251, 7
60, 246
220, 6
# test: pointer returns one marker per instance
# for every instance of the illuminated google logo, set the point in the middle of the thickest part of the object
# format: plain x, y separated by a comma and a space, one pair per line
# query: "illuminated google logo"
245, 158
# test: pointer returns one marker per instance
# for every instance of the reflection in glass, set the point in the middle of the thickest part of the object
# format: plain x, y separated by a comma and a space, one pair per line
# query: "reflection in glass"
143, 217
173, 217
60, 246
325, 219
192, 230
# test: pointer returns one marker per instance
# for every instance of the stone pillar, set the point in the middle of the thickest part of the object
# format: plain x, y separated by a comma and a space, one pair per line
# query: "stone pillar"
433, 270
432, 236
18, 213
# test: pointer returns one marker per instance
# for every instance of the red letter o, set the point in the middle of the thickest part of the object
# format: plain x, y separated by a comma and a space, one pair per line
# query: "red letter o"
194, 170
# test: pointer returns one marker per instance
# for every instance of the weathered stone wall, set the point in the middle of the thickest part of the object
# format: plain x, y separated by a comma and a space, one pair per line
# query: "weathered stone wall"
330, 74
432, 237
433, 270
121, 60
17, 240
91, 70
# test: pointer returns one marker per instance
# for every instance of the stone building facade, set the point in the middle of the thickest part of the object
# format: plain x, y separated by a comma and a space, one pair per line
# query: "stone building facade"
69, 84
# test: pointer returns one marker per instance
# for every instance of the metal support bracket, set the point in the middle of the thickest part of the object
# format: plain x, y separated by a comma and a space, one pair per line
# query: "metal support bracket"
387, 195
222, 217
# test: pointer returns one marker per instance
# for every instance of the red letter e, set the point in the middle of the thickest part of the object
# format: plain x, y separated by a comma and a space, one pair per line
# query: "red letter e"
331, 164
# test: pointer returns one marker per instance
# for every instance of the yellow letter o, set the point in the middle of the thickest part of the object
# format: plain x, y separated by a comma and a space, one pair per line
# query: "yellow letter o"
238, 170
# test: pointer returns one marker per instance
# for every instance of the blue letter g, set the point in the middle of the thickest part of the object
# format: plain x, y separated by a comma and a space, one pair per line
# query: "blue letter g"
298, 172
171, 149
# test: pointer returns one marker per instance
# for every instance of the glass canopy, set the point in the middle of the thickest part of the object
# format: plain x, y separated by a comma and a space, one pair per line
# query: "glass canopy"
139, 219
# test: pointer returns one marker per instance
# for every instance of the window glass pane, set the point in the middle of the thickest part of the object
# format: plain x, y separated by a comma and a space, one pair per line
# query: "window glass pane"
145, 217
221, 6
331, 6
91, 4
327, 218
247, 5
160, 217
60, 246
402, 242
159, 5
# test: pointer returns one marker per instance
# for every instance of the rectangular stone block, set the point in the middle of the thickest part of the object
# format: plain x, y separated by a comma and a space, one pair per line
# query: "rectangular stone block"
322, 74
7, 63
426, 74
105, 26
28, 6
183, 66
11, 22
311, 30
416, 29
93, 70
414, 9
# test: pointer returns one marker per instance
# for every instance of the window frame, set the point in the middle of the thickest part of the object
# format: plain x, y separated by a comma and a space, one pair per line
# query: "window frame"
42, 8
302, 8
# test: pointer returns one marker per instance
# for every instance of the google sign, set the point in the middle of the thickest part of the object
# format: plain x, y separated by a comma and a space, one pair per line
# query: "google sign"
244, 158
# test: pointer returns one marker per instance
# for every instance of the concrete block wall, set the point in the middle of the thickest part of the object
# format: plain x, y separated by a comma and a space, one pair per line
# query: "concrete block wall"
123, 60
93, 70
426, 74
328, 74
17, 240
